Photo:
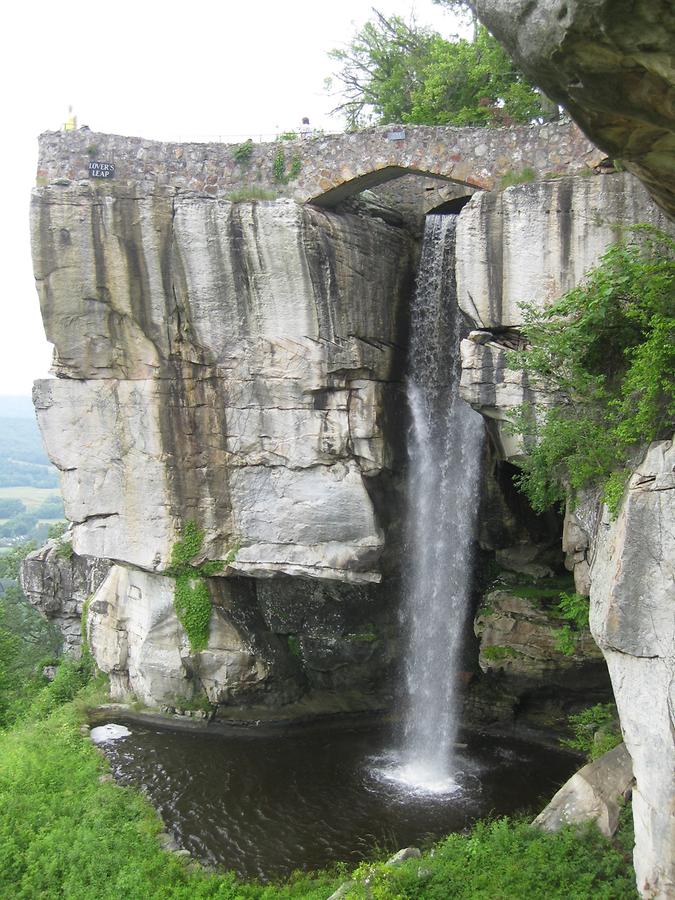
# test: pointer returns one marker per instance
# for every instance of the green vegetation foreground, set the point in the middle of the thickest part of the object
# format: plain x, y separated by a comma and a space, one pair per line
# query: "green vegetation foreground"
66, 833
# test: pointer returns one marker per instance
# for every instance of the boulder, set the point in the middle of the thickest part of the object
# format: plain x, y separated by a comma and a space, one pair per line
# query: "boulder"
593, 794
633, 620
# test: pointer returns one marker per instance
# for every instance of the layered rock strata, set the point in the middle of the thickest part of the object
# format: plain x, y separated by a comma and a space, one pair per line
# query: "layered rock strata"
227, 364
632, 577
58, 583
237, 366
531, 244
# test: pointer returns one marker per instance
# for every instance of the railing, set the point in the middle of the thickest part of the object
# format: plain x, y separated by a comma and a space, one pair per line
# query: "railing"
262, 138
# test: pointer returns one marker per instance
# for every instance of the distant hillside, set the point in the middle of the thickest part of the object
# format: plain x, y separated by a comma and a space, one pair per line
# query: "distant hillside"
23, 461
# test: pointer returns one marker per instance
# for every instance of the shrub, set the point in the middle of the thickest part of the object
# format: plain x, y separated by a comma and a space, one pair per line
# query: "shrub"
596, 730
606, 351
509, 179
242, 152
192, 600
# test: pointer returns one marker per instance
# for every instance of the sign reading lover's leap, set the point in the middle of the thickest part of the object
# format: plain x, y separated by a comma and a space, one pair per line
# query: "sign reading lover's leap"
101, 170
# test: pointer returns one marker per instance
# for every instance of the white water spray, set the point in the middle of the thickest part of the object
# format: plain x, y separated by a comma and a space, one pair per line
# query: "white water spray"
444, 451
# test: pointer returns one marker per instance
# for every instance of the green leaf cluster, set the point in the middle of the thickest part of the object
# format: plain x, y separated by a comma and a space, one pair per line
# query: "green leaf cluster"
596, 730
192, 600
397, 72
606, 352
574, 608
279, 167
242, 152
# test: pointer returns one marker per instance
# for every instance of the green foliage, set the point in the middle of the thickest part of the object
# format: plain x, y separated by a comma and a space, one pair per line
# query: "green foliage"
22, 457
25, 639
251, 193
10, 563
288, 136
525, 176
242, 152
186, 547
10, 507
193, 608
279, 167
294, 646
574, 608
367, 635
64, 550
497, 653
65, 834
57, 531
607, 352
596, 730
192, 600
506, 860
395, 72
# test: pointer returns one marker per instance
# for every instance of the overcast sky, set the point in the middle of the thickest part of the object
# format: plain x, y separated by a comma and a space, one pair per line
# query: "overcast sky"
192, 71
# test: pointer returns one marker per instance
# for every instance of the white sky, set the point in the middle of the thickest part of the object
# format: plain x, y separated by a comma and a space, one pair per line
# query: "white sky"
158, 70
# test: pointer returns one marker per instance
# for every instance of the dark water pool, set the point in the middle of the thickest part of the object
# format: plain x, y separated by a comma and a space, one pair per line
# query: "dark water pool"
267, 801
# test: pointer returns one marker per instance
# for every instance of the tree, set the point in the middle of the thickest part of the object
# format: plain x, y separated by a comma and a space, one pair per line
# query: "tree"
398, 72
606, 351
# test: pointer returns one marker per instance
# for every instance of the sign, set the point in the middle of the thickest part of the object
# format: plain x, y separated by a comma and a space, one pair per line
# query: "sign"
398, 135
101, 170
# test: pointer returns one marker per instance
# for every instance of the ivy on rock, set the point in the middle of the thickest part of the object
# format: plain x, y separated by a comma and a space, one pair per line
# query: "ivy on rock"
192, 600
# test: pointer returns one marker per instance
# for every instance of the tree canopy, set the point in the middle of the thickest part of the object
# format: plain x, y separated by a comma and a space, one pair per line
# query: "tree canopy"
393, 71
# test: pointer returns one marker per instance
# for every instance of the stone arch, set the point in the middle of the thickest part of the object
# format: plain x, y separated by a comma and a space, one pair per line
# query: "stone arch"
368, 180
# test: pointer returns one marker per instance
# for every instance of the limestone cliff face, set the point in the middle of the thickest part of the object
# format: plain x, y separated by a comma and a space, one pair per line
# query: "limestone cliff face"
626, 564
632, 577
58, 583
531, 243
230, 364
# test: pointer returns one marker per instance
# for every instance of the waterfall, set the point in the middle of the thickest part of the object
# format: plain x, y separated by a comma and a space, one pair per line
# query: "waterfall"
444, 449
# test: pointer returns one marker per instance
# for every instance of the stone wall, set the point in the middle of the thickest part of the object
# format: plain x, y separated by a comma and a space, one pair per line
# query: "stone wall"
336, 166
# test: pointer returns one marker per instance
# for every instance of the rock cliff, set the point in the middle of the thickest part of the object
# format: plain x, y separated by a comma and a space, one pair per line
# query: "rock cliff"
229, 364
237, 366
611, 63
626, 564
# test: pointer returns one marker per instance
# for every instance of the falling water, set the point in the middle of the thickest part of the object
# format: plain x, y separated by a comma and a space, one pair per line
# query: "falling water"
444, 449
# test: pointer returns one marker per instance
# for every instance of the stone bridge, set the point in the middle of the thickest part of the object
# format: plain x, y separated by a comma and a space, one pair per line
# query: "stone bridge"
324, 169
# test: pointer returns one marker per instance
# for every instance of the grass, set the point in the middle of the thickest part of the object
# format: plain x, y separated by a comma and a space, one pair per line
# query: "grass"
66, 833
508, 860
31, 497
251, 193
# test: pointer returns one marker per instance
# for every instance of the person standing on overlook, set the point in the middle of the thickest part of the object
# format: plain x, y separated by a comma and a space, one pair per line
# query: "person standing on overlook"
305, 129
71, 122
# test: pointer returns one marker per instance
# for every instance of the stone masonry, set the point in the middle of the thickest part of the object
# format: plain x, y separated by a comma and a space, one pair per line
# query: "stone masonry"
323, 169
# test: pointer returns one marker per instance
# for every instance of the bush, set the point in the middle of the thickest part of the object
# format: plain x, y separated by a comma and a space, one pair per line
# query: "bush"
606, 351
596, 730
